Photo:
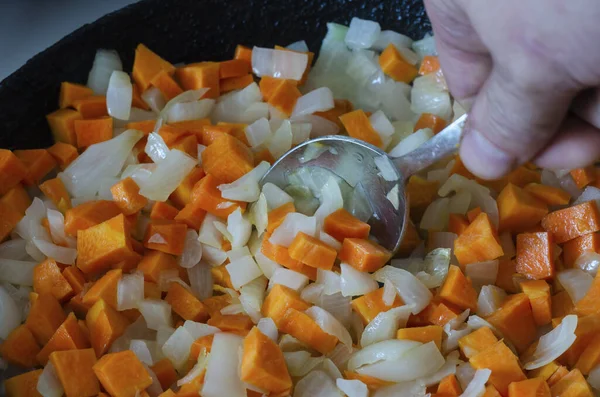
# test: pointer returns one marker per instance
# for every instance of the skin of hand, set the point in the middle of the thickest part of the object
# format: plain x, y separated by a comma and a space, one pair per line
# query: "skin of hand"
529, 70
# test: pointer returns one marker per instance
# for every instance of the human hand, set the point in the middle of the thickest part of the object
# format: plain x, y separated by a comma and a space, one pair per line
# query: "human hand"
520, 66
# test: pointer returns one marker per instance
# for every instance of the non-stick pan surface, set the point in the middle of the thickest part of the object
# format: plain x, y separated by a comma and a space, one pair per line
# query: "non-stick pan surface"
179, 31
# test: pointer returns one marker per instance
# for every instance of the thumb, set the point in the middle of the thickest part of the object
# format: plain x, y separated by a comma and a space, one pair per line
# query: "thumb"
514, 116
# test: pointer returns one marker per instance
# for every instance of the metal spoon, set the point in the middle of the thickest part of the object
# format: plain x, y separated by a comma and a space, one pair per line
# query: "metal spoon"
354, 161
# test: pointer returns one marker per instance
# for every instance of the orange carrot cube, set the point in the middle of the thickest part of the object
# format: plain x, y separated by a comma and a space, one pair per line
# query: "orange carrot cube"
572, 384
154, 263
200, 75
364, 255
24, 385
590, 303
279, 300
233, 68
396, 66
8, 220
244, 53
227, 159
45, 316
104, 288
165, 372
191, 215
184, 303
515, 320
147, 65
126, 194
535, 255
69, 336
92, 107
20, 348
166, 237
312, 252
284, 97
431, 121
236, 83
478, 243
89, 214
341, 225
531, 387
449, 386
163, 211
584, 176
166, 84
306, 330
573, 249
38, 163
476, 342
122, 374
548, 194
62, 125
358, 126
74, 370
105, 325
371, 304
502, 362
91, 131
458, 290
430, 64
56, 191
538, 292
277, 216
17, 198
518, 210
573, 222
429, 333
48, 279
63, 153
239, 324
207, 196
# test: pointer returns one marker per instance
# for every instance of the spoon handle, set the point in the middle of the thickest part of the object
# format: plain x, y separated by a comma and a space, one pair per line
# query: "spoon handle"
441, 145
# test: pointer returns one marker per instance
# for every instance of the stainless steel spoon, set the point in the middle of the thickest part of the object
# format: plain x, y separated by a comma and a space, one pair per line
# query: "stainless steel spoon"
354, 161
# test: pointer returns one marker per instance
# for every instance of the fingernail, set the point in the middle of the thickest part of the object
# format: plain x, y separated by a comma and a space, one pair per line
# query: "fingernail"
483, 158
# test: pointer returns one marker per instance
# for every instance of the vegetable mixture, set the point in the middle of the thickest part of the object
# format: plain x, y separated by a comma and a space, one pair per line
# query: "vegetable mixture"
151, 263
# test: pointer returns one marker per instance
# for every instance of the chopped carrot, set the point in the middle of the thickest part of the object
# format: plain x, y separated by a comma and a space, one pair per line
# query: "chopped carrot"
207, 196
538, 292
410, 240
441, 313
341, 225
342, 106
17, 199
166, 237
215, 303
284, 97
472, 214
166, 84
279, 300
573, 249
147, 65
38, 163
163, 211
146, 126
104, 288
56, 191
48, 279
122, 374
572, 384
200, 75
535, 255
573, 222
372, 383
430, 333
431, 121
429, 64
560, 373
63, 153
239, 324
154, 263
544, 372
89, 214
281, 255
237, 130
477, 341
75, 278
20, 348
458, 290
371, 304
306, 330
503, 364
69, 92
548, 194
45, 316
491, 391
478, 243
69, 336
561, 304
590, 303
535, 387
269, 84
61, 123
165, 372
91, 107
457, 224
227, 159
191, 215
363, 254
276, 216
91, 131
263, 155
105, 325
233, 68
126, 194
263, 364
507, 268
236, 83
187, 144
312, 252
584, 176
104, 245
515, 320
396, 66
449, 386
74, 370
24, 385
243, 53
518, 210
590, 357
204, 342
421, 193
358, 126
183, 193
185, 304
136, 100
210, 133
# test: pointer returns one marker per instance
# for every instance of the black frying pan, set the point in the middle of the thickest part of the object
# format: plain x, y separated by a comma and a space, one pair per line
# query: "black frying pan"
179, 31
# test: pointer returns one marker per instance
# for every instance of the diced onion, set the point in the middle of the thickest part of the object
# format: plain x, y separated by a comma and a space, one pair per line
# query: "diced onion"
464, 374
411, 290
300, 132
201, 280
476, 386
298, 46
177, 347
590, 193
155, 99
10, 315
293, 224
208, 233
192, 250
17, 272
482, 273
258, 214
268, 327
221, 377
281, 141
167, 176
425, 46
156, 148
48, 384
331, 281
449, 368
231, 108
278, 63
362, 33
276, 197
198, 330
56, 222
300, 363
386, 168
255, 112
389, 293
197, 370
589, 262
428, 97
435, 267
385, 325
105, 62
411, 142
319, 100
289, 278
242, 271
245, 188
13, 249
576, 282
354, 282
338, 305
316, 384
490, 299
119, 95
156, 313
330, 325
352, 388
258, 132
594, 378
195, 110
387, 37
412, 389
436, 215
331, 200
130, 291
312, 293
61, 254
252, 296
554, 343
143, 350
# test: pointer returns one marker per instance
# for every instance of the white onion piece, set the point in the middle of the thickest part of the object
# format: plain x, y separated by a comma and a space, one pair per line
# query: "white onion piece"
289, 278
192, 250
383, 126
312, 293
10, 315
300, 132
435, 266
196, 370
320, 126
330, 241
352, 388
412, 291
300, 363
119, 95
105, 159
278, 63
387, 350
464, 374
258, 214
389, 293
386, 168
222, 378
267, 266
590, 193
17, 272
155, 99
476, 386
426, 99
268, 327
60, 254
254, 112
460, 202
245, 188
316, 384
201, 280
56, 221
30, 225
436, 215
184, 111
252, 296
293, 224
198, 330
340, 355
449, 368
338, 305
234, 308
425, 46
156, 148
508, 246
276, 197
411, 142
167, 176
231, 107
242, 271
354, 282
288, 343
576, 282
156, 313
482, 273
331, 200
404, 389
105, 62
13, 249
298, 46
490, 299
143, 350
387, 37
258, 132
48, 384
281, 141
416, 363
385, 325
177, 347
362, 33
130, 291
553, 344
330, 325
331, 281
208, 233
319, 100
589, 262
239, 227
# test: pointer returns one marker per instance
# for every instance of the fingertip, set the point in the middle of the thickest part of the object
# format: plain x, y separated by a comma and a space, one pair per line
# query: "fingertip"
483, 158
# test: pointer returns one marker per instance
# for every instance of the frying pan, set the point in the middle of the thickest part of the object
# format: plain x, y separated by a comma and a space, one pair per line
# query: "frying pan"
181, 31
